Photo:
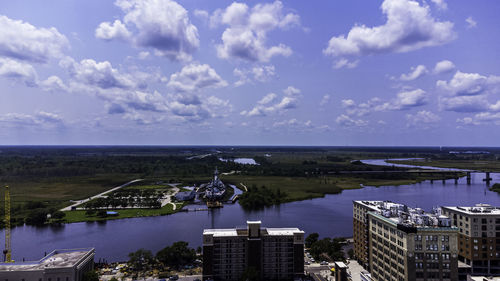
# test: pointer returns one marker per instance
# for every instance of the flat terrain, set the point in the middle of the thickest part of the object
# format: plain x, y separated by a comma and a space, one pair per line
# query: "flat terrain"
43, 180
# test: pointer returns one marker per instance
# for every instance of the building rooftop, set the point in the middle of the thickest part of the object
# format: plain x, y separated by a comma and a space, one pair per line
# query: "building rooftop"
56, 259
478, 209
407, 216
243, 231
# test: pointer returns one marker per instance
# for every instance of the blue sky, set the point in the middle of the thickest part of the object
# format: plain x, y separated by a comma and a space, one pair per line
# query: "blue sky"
392, 72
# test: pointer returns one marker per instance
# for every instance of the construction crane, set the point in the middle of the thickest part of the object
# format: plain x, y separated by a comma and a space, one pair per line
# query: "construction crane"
7, 252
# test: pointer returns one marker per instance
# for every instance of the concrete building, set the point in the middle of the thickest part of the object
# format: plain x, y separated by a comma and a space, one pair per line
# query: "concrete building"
59, 265
405, 244
271, 253
478, 237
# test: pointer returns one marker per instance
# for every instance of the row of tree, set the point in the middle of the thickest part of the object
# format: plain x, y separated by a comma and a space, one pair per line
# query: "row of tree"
256, 198
326, 248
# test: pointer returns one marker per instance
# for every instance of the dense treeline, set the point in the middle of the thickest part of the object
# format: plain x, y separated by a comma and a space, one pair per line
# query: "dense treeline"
326, 248
256, 198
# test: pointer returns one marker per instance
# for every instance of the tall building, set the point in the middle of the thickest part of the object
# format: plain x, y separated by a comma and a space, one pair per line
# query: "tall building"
59, 265
270, 253
405, 244
478, 237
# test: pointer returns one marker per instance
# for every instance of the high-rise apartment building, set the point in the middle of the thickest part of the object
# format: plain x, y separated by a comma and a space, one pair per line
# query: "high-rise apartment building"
405, 244
478, 237
59, 265
270, 253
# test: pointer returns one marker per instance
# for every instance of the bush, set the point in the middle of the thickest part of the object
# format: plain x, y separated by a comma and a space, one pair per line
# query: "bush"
102, 213
37, 217
58, 215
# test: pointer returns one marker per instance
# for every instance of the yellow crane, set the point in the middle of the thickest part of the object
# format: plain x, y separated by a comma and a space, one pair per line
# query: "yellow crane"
8, 251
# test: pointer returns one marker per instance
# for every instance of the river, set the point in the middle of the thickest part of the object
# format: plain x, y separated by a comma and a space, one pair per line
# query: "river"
329, 216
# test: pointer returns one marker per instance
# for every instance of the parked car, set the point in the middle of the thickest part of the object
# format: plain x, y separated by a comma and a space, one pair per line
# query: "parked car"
307, 263
312, 260
324, 263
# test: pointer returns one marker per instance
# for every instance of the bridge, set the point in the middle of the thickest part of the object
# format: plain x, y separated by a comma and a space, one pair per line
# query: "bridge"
458, 174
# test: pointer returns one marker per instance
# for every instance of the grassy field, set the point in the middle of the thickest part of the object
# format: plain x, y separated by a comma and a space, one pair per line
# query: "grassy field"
483, 165
301, 188
80, 216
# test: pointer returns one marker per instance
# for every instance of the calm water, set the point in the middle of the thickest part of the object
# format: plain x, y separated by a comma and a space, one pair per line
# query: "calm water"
248, 161
329, 216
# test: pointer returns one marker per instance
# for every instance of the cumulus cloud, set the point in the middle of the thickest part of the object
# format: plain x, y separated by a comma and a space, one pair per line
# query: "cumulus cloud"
195, 109
464, 103
441, 4
163, 25
194, 77
54, 84
415, 73
292, 91
297, 126
38, 120
324, 100
347, 121
246, 35
110, 31
443, 67
23, 41
481, 118
269, 104
409, 26
262, 73
98, 74
18, 71
422, 119
404, 101
471, 23
469, 84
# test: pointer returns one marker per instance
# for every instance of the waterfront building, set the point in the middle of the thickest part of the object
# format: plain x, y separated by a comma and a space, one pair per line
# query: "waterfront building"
478, 237
59, 265
271, 253
405, 244
216, 188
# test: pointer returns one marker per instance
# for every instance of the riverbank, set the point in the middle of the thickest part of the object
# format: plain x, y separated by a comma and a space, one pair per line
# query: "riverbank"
81, 216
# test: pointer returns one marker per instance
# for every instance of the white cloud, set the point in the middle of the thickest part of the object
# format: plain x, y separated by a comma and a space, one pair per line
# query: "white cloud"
346, 121
195, 109
110, 31
469, 84
409, 27
264, 106
38, 120
471, 23
201, 14
54, 84
260, 73
441, 4
297, 126
409, 99
415, 73
98, 74
422, 119
163, 25
246, 35
23, 41
464, 103
481, 118
345, 63
143, 55
194, 77
268, 98
443, 66
324, 100
19, 71
292, 91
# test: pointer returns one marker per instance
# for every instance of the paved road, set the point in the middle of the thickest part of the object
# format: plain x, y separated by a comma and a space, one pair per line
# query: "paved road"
99, 195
